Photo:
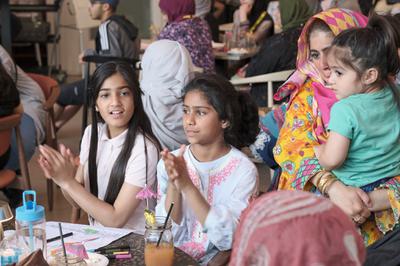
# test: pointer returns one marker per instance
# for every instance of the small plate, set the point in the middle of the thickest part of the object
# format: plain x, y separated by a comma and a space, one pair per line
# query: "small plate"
96, 259
238, 51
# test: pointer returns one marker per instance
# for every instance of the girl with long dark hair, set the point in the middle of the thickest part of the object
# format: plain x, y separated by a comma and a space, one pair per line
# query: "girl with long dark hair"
118, 155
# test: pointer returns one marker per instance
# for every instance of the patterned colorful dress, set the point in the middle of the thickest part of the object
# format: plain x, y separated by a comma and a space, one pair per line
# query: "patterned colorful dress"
305, 126
227, 183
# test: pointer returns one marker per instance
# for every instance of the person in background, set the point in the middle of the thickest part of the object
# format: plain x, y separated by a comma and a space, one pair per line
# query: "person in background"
116, 36
190, 31
253, 19
118, 155
166, 66
278, 52
296, 228
210, 181
9, 104
203, 8
33, 119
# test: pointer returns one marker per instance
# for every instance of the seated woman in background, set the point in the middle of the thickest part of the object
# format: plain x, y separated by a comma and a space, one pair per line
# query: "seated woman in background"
9, 104
166, 66
278, 52
118, 156
253, 19
190, 31
296, 228
34, 116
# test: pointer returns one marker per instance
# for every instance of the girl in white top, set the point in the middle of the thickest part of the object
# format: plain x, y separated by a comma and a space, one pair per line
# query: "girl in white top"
117, 160
210, 181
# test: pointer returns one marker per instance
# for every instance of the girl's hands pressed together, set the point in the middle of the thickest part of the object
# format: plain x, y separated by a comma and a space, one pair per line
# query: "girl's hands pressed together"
59, 166
176, 169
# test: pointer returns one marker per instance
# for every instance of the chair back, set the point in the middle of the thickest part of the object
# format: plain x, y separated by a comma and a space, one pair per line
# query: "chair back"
47, 84
7, 123
265, 78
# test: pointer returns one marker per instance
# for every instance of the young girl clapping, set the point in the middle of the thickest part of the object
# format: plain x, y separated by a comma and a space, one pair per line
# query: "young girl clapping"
210, 181
118, 156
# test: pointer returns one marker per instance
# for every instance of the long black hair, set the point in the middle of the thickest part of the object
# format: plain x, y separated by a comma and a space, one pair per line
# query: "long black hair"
235, 107
139, 123
371, 47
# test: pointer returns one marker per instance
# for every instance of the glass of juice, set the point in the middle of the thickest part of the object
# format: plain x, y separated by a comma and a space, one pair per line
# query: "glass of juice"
163, 253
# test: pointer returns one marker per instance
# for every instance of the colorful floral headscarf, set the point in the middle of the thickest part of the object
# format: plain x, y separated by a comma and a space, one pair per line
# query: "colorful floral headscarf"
296, 228
337, 20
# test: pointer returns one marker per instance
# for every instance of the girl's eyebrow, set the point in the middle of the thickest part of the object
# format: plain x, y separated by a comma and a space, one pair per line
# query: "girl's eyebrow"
206, 107
117, 88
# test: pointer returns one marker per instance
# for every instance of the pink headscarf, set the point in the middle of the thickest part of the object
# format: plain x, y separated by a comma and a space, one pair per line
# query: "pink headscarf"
338, 20
296, 228
177, 9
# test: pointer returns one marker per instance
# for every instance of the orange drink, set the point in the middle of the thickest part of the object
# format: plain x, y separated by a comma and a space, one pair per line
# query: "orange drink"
163, 255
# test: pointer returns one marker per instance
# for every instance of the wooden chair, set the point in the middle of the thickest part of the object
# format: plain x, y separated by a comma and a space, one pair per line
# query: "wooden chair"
7, 124
265, 78
51, 91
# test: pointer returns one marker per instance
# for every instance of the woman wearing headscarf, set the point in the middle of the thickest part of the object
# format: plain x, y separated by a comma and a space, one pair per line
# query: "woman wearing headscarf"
166, 66
190, 31
296, 228
278, 52
304, 126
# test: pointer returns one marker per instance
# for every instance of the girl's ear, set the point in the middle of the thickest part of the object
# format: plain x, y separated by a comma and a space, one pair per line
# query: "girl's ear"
370, 76
225, 124
95, 108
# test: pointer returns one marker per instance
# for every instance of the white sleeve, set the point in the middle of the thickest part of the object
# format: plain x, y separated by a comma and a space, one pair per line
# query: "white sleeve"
222, 219
162, 179
85, 145
136, 168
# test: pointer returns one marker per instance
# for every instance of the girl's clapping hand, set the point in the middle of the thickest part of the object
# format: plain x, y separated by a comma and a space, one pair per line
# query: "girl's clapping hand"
59, 166
176, 168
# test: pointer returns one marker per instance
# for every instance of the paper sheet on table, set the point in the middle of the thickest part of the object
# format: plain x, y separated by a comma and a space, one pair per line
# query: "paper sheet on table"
93, 237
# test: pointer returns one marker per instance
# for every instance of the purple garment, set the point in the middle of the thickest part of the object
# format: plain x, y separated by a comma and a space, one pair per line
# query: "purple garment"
176, 9
195, 35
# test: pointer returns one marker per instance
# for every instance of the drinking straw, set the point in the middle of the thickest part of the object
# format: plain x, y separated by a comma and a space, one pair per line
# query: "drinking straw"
165, 223
63, 244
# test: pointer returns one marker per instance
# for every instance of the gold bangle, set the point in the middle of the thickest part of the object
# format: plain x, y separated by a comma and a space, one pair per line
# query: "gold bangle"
325, 182
317, 177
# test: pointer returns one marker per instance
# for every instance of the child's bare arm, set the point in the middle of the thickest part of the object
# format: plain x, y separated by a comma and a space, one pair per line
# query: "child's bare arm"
380, 200
333, 153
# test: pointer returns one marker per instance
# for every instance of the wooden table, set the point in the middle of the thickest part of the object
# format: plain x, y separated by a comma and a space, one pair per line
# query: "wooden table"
136, 242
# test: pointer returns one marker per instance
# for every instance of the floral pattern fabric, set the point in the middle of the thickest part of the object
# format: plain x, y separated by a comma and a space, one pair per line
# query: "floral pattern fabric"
194, 34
